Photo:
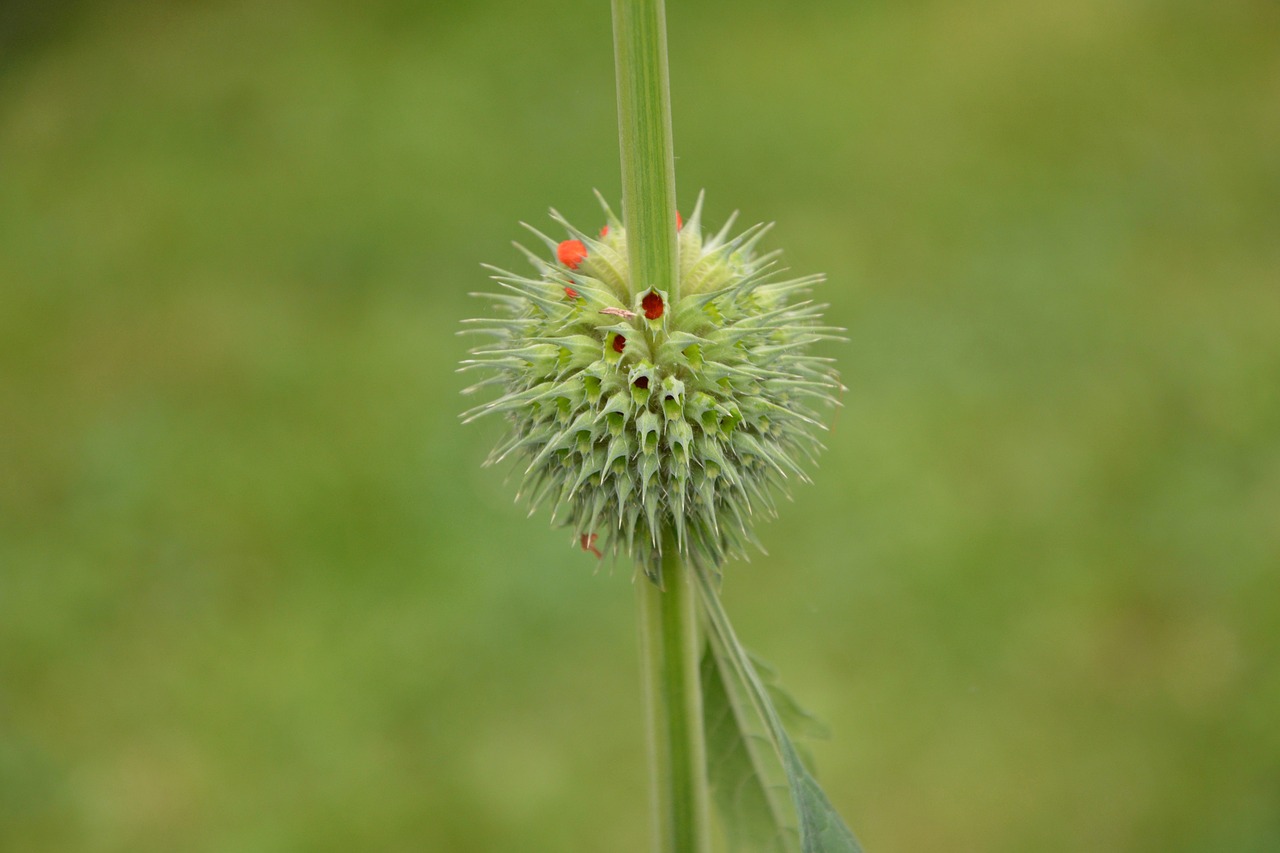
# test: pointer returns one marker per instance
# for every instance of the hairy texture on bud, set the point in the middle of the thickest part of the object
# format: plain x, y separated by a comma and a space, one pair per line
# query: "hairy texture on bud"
633, 414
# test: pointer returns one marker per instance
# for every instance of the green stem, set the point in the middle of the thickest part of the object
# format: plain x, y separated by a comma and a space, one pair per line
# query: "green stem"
644, 136
668, 614
673, 692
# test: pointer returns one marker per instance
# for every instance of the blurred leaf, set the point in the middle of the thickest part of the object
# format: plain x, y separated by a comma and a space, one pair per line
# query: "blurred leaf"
747, 777
796, 719
739, 690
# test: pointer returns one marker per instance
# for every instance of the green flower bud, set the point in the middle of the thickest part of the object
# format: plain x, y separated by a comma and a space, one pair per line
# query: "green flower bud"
633, 416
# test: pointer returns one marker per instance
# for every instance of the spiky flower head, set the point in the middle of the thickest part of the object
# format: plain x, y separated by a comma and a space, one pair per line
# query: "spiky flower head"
649, 424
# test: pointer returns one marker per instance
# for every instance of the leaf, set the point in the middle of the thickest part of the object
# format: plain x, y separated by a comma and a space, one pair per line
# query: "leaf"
821, 828
747, 778
795, 718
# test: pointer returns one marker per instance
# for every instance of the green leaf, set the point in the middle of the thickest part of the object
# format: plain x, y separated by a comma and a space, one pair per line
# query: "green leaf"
798, 721
747, 778
821, 829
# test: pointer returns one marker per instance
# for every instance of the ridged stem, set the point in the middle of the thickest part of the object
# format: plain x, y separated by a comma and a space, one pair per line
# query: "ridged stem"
644, 136
668, 614
670, 651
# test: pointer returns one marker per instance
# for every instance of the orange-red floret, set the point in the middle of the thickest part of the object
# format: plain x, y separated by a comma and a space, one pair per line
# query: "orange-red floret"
571, 253
652, 305
589, 544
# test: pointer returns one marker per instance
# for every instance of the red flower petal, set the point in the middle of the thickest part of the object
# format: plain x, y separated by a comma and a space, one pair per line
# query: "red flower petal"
571, 253
619, 343
679, 221
652, 305
604, 231
571, 293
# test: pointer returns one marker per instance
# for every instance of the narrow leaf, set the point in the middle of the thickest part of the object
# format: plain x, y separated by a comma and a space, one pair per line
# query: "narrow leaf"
821, 828
747, 778
797, 720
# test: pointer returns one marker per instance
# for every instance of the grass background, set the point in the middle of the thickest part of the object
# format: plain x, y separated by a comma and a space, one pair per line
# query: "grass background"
257, 595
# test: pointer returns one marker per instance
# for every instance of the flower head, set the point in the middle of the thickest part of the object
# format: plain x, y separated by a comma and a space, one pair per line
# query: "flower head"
634, 415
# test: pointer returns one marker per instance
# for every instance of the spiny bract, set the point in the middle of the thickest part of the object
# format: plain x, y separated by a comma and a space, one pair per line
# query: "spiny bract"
650, 423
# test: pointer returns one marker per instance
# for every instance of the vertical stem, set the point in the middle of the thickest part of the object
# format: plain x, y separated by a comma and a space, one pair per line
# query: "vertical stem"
673, 693
644, 135
668, 614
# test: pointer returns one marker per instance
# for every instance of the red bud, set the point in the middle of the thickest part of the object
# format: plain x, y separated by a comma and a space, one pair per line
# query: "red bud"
571, 253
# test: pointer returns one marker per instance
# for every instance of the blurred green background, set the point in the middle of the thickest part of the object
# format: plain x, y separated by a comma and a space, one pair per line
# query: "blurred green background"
256, 593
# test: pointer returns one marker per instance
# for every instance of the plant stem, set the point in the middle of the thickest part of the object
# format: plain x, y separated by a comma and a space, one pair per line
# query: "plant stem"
673, 692
644, 136
668, 614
